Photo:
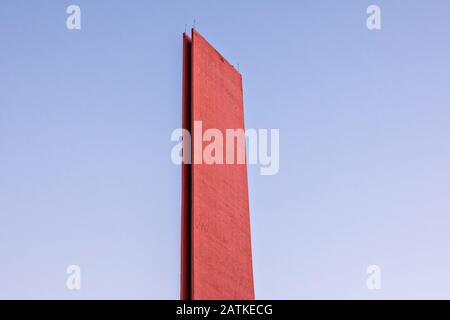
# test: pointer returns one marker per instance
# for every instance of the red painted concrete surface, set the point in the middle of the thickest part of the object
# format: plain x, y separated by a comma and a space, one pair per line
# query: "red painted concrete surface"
216, 259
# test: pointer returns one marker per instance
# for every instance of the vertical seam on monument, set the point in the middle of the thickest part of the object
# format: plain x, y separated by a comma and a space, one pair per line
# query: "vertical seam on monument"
189, 173
189, 218
191, 186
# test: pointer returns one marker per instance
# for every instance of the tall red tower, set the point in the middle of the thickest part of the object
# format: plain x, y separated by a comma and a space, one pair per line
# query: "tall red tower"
216, 256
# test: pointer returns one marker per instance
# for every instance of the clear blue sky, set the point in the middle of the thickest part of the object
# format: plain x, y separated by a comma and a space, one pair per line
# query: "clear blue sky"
364, 119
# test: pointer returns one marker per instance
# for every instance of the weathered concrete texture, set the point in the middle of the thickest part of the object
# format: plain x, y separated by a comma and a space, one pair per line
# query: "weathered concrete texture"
216, 251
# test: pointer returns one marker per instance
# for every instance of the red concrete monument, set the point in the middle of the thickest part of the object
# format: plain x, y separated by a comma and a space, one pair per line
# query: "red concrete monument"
216, 255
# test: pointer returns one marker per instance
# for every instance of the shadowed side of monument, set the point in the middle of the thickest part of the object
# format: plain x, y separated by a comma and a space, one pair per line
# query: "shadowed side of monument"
185, 288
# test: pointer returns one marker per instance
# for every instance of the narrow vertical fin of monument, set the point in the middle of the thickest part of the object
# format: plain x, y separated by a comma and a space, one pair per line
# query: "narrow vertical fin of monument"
185, 277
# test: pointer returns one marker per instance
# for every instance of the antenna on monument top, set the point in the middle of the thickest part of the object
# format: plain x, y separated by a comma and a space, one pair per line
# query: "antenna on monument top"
185, 27
193, 26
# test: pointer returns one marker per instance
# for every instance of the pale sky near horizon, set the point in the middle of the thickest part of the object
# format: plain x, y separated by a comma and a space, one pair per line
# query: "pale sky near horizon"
364, 118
